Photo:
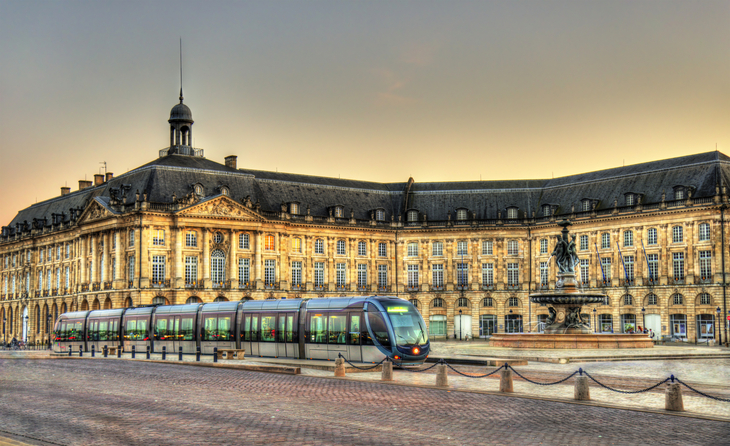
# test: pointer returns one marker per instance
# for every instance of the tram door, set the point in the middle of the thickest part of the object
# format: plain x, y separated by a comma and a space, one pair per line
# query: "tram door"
354, 352
250, 334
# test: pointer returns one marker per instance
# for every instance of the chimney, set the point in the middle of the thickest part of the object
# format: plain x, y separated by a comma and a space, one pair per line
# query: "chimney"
66, 190
83, 184
109, 176
98, 179
231, 161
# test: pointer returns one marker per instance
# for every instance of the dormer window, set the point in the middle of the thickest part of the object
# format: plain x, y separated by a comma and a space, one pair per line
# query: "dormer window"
547, 210
380, 214
294, 208
412, 216
198, 190
339, 211
679, 193
586, 205
512, 213
225, 191
462, 214
630, 199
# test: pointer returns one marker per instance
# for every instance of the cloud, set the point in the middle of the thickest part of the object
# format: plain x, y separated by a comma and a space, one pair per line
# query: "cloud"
390, 95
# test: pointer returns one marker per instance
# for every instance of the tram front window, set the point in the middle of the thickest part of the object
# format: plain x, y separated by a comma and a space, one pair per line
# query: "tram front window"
407, 324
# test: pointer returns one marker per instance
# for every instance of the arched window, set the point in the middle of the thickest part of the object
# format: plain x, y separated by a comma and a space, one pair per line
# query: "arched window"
217, 268
677, 299
225, 191
462, 302
628, 299
220, 299
414, 302
127, 304
339, 213
487, 302
513, 302
437, 303
705, 299
606, 300
159, 300
193, 300
651, 299
318, 246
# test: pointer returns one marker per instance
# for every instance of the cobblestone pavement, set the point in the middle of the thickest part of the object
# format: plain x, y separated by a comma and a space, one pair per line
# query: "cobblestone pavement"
95, 402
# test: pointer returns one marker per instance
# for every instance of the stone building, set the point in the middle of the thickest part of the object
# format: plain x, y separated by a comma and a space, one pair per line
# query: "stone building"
183, 229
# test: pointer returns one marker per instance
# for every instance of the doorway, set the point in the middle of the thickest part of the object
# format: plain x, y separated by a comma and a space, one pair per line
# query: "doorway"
462, 326
653, 322
25, 324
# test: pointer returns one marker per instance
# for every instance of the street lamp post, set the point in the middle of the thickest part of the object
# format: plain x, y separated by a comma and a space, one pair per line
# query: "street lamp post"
48, 328
460, 327
718, 328
4, 319
595, 322
643, 317
27, 328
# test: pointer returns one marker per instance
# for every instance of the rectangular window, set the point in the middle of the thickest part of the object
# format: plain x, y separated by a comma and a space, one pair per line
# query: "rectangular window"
705, 264
362, 249
461, 248
704, 232
362, 275
158, 269
583, 242
244, 273
58, 248
438, 249
513, 248
296, 273
114, 268
130, 268
340, 275
40, 255
628, 238
382, 276
191, 239
67, 277
629, 266
319, 246
653, 260
543, 246
678, 265
438, 275
543, 273
413, 276
584, 270
191, 270
382, 250
513, 274
269, 272
606, 265
296, 244
158, 237
131, 239
318, 274
40, 280
243, 241
677, 234
68, 250
269, 243
487, 248
462, 274
412, 249
605, 240
341, 249
651, 236
487, 274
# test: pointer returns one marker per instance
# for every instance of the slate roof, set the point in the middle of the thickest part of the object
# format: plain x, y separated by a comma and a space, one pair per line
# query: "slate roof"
177, 174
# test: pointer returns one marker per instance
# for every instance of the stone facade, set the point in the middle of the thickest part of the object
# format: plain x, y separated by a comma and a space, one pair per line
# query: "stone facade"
183, 229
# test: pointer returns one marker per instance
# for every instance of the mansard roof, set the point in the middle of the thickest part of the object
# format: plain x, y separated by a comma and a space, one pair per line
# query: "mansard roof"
176, 175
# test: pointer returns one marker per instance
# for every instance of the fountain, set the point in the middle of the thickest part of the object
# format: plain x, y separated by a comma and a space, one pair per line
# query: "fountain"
565, 326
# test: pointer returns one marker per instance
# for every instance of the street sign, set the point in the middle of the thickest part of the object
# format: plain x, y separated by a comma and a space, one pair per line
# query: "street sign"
728, 318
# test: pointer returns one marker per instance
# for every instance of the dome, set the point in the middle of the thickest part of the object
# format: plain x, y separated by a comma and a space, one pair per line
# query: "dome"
181, 112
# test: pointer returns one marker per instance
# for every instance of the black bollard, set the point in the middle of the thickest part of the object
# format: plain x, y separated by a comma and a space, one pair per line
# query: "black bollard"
119, 351
179, 355
81, 351
148, 353
215, 354
70, 351
197, 354
106, 351
92, 350
164, 353
133, 352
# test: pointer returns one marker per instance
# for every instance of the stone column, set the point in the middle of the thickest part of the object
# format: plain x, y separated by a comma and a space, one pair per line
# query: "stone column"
106, 258
95, 273
179, 280
257, 263
143, 261
82, 256
233, 261
118, 281
206, 258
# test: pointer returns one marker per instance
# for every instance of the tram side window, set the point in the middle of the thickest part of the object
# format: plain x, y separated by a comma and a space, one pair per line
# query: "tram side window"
268, 328
92, 333
104, 330
187, 331
355, 329
161, 330
378, 327
282, 328
75, 331
61, 332
246, 332
114, 331
338, 328
217, 327
318, 328
136, 330
250, 328
291, 328
255, 336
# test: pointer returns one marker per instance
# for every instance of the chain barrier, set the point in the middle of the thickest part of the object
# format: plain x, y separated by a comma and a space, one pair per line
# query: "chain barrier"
441, 361
361, 368
539, 383
701, 393
625, 391
476, 376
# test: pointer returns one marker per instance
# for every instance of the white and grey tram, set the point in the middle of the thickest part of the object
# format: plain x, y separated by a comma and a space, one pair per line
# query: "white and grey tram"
362, 329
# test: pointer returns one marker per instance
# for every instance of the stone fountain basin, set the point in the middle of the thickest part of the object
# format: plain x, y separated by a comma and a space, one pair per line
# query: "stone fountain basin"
568, 299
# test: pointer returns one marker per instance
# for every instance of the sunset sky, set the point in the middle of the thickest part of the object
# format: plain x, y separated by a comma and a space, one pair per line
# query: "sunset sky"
440, 91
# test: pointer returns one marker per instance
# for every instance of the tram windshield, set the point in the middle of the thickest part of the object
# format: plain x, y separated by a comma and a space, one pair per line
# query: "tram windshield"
407, 323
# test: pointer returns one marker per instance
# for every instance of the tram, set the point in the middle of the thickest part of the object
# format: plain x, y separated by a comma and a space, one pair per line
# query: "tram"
362, 329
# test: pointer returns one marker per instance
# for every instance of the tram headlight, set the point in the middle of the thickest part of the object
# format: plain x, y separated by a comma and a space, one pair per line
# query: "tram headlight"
416, 350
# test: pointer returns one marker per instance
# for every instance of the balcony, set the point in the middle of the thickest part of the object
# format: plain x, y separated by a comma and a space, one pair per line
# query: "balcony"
341, 287
362, 287
678, 281
224, 285
160, 283
488, 286
37, 293
412, 288
297, 287
605, 283
626, 283
271, 285
383, 289
84, 287
193, 284
96, 286
462, 287
46, 293
108, 286
244, 285
512, 286
319, 287
130, 284
437, 287
703, 279
54, 292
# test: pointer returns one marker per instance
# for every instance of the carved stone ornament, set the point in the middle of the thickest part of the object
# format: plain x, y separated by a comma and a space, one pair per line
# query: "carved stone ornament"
97, 212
